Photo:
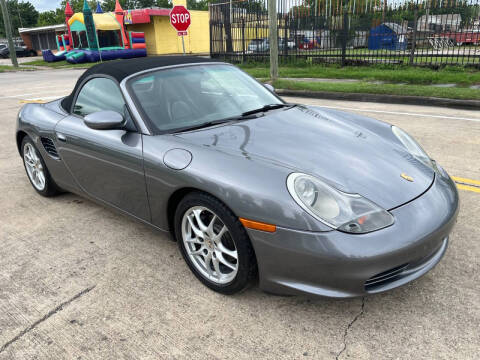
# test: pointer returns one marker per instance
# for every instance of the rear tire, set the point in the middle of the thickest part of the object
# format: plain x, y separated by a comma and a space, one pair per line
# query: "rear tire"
214, 244
36, 169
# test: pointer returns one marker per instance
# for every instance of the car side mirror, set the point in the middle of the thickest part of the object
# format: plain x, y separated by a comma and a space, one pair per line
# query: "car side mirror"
269, 87
105, 120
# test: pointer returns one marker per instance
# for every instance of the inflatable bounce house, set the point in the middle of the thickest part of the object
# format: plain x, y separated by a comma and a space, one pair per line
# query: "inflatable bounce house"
98, 36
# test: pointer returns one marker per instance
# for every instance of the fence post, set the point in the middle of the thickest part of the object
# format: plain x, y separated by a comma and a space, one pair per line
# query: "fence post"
243, 40
273, 34
414, 40
225, 8
210, 25
345, 35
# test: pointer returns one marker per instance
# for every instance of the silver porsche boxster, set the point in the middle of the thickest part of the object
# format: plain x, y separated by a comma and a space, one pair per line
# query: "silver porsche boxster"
302, 199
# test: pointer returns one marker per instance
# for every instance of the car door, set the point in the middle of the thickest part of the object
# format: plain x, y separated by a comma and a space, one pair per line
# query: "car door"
106, 164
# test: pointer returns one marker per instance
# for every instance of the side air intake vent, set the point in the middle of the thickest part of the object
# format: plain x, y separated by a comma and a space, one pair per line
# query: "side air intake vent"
50, 147
384, 277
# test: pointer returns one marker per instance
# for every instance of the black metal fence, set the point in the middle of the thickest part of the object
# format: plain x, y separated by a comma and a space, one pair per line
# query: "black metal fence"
432, 32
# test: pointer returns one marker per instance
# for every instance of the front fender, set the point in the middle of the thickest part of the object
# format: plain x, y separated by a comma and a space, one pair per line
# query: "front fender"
251, 188
38, 121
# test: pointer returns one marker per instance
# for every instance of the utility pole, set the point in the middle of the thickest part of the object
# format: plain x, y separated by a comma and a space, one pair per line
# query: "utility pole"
8, 31
273, 34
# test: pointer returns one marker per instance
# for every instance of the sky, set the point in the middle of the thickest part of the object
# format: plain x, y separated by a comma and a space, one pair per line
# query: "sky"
43, 5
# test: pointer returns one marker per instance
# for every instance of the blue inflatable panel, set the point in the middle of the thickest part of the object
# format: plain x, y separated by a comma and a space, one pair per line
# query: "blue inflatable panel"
94, 55
48, 56
138, 40
78, 57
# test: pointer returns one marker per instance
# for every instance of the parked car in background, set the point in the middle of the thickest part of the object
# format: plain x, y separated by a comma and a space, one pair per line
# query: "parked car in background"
21, 51
259, 45
307, 43
290, 44
464, 37
263, 45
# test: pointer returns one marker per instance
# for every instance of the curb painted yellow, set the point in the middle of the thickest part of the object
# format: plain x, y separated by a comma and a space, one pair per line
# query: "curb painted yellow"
465, 180
32, 101
468, 188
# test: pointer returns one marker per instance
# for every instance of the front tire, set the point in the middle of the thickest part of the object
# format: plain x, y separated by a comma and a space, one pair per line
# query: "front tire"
36, 169
214, 244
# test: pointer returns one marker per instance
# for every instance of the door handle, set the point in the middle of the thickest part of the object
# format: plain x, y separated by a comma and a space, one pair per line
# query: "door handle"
61, 137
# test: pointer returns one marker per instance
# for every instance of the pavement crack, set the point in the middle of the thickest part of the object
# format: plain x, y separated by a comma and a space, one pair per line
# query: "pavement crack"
52, 312
350, 324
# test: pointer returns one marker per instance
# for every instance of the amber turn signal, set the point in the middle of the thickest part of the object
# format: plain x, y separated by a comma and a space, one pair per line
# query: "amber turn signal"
256, 225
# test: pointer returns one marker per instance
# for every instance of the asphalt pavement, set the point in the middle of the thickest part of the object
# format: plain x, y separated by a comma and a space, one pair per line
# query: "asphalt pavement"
78, 281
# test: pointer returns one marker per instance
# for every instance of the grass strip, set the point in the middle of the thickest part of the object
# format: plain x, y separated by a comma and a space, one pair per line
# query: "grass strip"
388, 73
8, 68
59, 64
387, 89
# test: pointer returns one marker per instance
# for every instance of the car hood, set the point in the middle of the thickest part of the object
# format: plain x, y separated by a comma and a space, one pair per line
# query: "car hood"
327, 145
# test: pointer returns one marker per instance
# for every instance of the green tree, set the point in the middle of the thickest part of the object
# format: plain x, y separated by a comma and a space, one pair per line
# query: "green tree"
109, 5
164, 4
22, 14
52, 17
197, 4
144, 4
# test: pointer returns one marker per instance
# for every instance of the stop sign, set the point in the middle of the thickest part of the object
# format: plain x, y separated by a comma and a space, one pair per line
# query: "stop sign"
180, 19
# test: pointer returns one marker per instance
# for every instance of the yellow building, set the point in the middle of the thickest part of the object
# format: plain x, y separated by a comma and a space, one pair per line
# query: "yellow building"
160, 36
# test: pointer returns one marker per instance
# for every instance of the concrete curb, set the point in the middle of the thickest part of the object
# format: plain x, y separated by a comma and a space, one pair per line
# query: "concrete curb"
380, 98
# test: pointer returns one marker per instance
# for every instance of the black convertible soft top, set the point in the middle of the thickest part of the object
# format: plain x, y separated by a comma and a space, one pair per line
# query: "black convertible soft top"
120, 69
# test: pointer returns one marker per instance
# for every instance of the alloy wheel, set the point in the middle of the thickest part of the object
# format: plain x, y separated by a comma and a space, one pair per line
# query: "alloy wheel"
209, 245
34, 167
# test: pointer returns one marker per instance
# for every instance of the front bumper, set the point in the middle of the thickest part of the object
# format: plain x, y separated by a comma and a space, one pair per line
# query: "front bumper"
336, 264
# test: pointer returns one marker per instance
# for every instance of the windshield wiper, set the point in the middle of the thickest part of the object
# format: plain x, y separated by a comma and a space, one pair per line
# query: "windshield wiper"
267, 108
216, 122
203, 125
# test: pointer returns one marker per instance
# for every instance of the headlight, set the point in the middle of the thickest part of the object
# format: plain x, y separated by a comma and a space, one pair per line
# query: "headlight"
351, 213
412, 146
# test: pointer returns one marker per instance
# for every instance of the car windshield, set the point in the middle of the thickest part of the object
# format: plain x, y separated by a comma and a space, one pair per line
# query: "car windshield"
191, 96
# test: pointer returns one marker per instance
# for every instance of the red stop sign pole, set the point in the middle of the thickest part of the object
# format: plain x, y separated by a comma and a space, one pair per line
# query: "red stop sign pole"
180, 19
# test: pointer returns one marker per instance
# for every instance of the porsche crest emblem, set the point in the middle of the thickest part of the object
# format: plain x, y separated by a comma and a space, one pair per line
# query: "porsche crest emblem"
406, 177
